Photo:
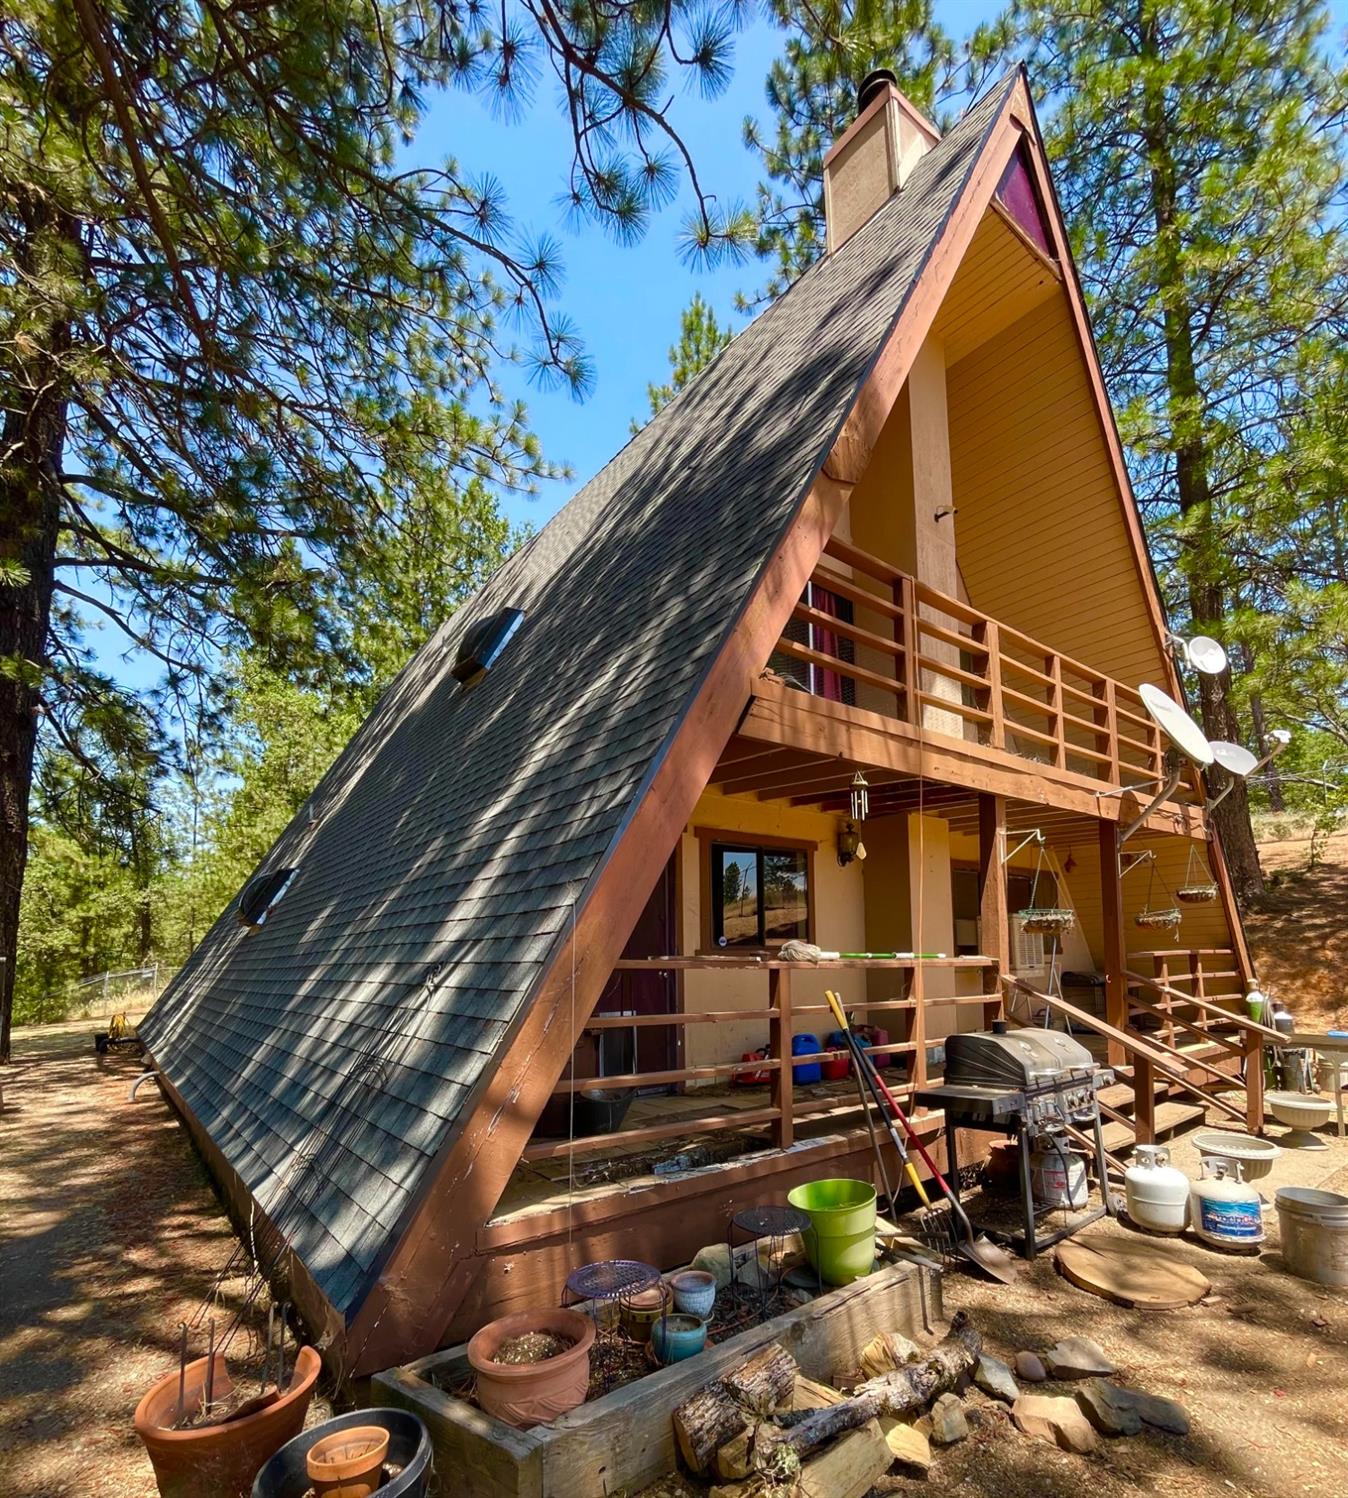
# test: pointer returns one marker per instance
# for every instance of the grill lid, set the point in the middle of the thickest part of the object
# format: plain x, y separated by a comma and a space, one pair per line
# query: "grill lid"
1018, 1059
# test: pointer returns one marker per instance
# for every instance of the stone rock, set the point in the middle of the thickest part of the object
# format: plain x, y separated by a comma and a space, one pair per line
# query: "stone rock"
996, 1379
1030, 1368
1108, 1409
1077, 1357
948, 1423
715, 1259
1055, 1419
1123, 1412
907, 1444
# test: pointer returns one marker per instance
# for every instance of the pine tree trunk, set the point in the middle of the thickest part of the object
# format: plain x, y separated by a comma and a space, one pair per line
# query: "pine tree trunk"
34, 440
1207, 600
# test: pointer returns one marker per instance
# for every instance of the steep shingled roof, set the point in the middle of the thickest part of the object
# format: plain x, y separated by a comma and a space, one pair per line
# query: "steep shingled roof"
329, 1052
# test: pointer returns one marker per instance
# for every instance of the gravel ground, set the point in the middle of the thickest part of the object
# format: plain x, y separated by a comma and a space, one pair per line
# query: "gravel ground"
110, 1236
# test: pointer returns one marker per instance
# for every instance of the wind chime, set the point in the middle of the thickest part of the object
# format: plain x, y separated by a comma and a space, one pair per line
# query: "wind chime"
850, 845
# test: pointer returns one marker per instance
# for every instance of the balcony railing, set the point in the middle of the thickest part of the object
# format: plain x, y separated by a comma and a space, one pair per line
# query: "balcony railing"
877, 638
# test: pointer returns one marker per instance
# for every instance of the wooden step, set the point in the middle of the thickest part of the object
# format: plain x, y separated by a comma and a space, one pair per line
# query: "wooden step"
1122, 1095
1170, 1119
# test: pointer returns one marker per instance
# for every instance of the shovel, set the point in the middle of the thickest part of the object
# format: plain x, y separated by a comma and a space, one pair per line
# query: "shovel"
978, 1249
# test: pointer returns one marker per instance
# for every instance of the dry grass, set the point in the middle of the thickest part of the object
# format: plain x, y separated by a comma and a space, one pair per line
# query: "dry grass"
1299, 935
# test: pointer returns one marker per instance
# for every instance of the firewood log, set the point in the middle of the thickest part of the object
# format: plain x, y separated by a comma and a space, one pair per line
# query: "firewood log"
780, 1450
721, 1411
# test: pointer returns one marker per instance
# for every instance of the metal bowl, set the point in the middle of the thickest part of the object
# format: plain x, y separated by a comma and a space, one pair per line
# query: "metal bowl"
1254, 1156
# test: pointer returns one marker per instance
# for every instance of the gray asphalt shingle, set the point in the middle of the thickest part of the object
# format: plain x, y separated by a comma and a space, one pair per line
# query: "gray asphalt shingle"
439, 858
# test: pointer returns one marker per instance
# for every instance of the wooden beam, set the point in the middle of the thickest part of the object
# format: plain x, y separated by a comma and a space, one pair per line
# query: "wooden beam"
1114, 957
995, 934
779, 1044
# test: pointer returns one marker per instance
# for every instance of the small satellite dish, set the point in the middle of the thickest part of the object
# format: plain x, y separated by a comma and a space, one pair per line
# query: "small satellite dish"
1234, 758
1206, 655
1176, 724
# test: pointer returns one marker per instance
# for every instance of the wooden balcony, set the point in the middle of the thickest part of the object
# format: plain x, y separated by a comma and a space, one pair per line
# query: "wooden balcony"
881, 669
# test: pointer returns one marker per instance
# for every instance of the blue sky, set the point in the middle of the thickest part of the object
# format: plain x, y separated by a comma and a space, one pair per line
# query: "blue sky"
624, 300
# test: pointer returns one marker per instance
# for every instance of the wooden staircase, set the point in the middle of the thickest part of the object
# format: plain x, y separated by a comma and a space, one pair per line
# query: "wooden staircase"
1173, 1060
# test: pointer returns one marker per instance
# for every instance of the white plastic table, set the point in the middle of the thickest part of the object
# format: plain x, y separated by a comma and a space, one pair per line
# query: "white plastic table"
1327, 1045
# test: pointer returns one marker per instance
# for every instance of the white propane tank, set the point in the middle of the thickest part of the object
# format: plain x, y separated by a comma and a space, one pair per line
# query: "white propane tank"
1057, 1176
1157, 1194
1225, 1211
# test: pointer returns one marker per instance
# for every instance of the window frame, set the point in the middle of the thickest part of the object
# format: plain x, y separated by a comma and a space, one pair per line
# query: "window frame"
712, 841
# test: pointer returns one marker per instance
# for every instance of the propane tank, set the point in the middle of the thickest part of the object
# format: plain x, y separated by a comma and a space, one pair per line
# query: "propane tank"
1225, 1211
1057, 1176
1157, 1194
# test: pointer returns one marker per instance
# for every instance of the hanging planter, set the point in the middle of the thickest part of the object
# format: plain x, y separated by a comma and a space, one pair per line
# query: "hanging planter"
1046, 920
1158, 920
1199, 887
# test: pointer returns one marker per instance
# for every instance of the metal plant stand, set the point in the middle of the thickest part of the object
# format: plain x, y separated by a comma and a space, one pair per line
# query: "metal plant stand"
754, 1225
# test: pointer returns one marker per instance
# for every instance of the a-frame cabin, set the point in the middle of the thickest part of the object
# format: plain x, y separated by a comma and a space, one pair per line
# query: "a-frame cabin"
888, 531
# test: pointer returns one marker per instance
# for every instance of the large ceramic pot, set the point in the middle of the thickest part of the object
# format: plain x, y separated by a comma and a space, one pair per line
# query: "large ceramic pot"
526, 1394
219, 1461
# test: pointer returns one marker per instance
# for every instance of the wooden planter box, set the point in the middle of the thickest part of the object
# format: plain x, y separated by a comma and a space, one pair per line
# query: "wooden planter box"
620, 1443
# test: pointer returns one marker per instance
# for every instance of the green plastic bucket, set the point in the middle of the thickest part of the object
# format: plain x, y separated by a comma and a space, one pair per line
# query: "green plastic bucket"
841, 1240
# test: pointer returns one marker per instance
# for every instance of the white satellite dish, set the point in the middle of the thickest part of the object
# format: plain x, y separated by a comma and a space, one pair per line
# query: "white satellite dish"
1234, 758
1176, 724
1206, 655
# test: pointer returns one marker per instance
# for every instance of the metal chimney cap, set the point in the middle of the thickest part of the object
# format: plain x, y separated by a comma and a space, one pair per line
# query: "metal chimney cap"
872, 84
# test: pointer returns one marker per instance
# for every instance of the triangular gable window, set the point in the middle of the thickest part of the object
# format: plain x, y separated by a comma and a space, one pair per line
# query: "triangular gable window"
1019, 196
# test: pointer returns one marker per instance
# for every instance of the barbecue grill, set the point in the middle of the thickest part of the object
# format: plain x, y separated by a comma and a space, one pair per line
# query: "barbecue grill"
1032, 1084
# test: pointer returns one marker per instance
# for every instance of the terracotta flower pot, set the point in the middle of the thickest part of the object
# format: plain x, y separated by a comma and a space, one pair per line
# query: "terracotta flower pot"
348, 1463
219, 1461
526, 1394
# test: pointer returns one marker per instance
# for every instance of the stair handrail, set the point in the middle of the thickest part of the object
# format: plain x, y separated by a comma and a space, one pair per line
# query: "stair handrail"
1237, 1048
1241, 1021
1152, 1050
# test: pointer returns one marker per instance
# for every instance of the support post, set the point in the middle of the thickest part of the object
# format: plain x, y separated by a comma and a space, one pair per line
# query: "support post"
1144, 1100
994, 919
1254, 1084
1115, 957
779, 1038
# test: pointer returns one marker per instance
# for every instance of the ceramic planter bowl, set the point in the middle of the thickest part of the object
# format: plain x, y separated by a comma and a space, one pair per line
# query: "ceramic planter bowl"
694, 1291
525, 1394
219, 1461
676, 1337
348, 1463
1301, 1112
1254, 1156
641, 1311
286, 1475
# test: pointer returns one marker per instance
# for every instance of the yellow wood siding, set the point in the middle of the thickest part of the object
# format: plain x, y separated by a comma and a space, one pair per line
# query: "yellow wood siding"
1042, 538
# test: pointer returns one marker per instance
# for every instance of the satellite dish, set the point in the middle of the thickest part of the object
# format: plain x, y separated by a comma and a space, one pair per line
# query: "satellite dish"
1176, 724
1234, 758
1206, 655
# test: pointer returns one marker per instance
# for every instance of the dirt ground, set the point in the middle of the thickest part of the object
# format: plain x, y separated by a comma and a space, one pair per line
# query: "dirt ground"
110, 1236
1261, 1366
1299, 935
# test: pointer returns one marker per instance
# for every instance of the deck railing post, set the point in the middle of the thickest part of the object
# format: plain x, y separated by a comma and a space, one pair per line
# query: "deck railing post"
994, 918
1053, 668
1144, 1100
779, 1043
1114, 955
989, 636
906, 634
1254, 1082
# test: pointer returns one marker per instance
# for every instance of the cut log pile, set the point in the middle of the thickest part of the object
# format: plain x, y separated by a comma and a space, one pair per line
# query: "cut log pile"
765, 1430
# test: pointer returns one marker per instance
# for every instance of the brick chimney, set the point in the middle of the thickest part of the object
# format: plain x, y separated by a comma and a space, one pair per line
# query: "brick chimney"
872, 159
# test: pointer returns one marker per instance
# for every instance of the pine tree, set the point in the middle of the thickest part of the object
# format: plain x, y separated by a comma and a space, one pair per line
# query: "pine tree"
1198, 148
701, 338
238, 336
